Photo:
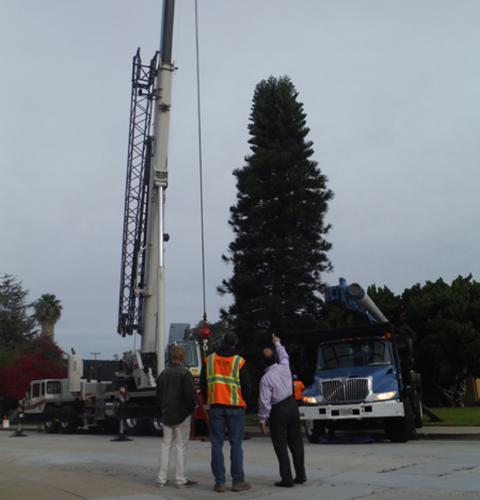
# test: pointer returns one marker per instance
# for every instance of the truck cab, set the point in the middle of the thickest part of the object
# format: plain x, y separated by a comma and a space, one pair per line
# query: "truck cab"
362, 377
43, 392
357, 369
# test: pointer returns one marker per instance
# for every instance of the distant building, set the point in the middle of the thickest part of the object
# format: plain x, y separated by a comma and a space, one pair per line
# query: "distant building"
177, 332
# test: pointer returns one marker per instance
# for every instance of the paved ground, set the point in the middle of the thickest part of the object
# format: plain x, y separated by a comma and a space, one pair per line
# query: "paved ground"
52, 467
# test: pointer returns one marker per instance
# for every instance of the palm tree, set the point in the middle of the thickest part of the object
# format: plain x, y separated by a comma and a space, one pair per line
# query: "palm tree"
48, 310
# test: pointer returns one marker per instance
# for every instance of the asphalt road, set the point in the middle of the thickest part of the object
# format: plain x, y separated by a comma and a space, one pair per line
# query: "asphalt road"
40, 467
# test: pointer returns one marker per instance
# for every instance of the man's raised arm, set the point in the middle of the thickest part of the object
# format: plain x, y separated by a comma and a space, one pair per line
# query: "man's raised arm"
281, 351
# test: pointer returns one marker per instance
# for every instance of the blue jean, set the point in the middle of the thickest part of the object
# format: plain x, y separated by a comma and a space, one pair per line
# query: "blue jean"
234, 420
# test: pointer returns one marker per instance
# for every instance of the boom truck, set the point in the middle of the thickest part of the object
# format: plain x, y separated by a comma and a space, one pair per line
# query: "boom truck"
362, 376
77, 401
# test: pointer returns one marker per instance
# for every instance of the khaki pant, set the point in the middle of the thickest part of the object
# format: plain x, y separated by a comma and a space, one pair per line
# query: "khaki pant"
177, 435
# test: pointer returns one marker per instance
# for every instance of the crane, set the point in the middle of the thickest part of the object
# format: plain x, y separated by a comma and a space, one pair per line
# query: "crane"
142, 274
75, 401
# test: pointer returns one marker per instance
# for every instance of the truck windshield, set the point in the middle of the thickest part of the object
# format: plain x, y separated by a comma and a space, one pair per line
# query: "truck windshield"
362, 352
54, 387
191, 356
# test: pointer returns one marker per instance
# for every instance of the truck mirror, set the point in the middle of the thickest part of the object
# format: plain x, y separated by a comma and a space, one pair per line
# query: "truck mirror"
405, 351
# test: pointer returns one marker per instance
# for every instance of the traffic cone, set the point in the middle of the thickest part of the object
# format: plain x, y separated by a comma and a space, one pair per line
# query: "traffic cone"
5, 423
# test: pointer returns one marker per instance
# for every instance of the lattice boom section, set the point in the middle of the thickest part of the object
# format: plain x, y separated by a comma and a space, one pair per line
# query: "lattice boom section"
136, 195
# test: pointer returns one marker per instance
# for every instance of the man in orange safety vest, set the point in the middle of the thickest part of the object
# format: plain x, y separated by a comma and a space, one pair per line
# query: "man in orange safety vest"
225, 384
298, 387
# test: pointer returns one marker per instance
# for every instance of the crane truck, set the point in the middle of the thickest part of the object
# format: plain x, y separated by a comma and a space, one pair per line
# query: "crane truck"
77, 401
362, 375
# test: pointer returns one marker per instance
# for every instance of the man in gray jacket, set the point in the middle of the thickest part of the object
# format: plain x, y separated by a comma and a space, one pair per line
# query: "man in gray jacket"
176, 399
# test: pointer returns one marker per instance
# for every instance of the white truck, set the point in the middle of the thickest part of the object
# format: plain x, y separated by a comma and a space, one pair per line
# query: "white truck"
81, 401
67, 404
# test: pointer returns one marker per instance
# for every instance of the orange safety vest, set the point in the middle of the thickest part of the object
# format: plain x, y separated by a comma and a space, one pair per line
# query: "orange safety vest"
298, 389
223, 380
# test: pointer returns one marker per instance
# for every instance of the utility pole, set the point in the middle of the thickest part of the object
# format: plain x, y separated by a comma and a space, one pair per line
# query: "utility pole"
95, 354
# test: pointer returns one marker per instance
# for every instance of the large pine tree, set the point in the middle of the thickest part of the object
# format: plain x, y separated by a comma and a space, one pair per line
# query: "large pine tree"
279, 250
16, 325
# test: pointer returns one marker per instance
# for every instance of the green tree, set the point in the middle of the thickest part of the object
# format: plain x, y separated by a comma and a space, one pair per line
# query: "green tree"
279, 250
48, 310
388, 302
16, 325
446, 319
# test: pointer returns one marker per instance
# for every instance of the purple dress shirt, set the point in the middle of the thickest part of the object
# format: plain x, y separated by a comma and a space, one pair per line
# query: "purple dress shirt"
276, 383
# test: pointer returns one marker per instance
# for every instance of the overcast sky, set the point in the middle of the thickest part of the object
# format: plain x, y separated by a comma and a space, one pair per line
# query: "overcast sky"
392, 95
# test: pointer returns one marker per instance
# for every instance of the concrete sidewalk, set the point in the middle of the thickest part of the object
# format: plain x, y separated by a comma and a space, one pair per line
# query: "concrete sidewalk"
426, 432
448, 432
91, 467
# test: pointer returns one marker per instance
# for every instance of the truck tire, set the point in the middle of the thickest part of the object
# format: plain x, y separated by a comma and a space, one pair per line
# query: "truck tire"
135, 426
400, 430
156, 427
51, 426
314, 430
68, 426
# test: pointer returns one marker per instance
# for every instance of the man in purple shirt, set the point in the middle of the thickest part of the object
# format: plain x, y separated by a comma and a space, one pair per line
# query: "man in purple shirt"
277, 404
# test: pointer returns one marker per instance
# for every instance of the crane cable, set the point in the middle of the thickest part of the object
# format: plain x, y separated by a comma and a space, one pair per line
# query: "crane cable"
200, 160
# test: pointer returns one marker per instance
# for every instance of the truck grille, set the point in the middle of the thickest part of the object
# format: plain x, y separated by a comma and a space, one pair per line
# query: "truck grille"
352, 389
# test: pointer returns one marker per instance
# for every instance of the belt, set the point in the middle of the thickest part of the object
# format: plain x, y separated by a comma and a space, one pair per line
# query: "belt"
282, 401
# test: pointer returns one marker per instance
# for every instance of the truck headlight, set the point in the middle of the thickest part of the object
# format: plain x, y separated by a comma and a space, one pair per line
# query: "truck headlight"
384, 396
310, 400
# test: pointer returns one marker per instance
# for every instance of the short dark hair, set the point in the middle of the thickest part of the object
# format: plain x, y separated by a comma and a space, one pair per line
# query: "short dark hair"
270, 356
230, 339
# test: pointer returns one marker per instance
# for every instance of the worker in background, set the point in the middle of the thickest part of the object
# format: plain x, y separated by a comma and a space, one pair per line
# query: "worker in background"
225, 384
277, 405
176, 399
298, 387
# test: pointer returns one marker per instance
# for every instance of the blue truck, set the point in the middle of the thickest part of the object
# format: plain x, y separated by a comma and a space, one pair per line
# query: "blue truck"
363, 375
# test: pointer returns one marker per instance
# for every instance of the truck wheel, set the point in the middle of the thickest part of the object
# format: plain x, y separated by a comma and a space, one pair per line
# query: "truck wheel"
314, 430
135, 426
68, 426
400, 430
156, 427
51, 426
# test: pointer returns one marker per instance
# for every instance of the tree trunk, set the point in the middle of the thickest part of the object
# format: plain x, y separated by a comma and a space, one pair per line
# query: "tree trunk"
48, 330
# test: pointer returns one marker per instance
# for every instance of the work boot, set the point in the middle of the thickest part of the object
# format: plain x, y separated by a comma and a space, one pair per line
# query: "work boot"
243, 486
187, 484
219, 488
300, 480
284, 484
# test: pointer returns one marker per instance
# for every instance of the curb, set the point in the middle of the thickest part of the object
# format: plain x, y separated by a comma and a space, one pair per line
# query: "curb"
380, 436
448, 436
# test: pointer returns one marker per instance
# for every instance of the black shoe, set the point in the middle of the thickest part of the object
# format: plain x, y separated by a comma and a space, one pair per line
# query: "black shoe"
284, 484
300, 480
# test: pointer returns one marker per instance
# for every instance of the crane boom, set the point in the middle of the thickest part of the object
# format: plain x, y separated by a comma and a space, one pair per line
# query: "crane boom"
153, 338
136, 196
142, 284
356, 299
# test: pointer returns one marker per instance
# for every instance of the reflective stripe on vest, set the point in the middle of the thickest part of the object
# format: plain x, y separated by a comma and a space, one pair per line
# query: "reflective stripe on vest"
223, 379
